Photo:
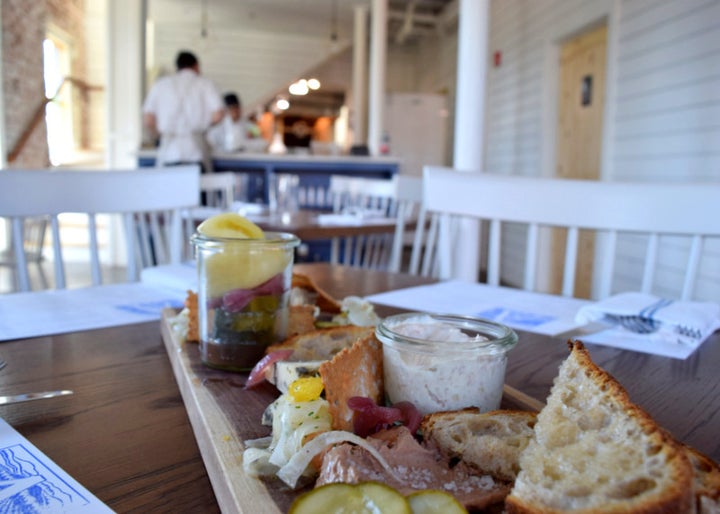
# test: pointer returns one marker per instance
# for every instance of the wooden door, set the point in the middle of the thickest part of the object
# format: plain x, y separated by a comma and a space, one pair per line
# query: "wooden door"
581, 101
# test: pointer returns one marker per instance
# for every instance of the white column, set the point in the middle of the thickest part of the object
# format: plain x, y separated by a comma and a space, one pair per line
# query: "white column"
470, 119
124, 95
3, 140
5, 237
125, 75
359, 78
378, 49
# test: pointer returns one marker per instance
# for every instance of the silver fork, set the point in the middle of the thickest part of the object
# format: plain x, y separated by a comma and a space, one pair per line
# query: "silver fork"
643, 322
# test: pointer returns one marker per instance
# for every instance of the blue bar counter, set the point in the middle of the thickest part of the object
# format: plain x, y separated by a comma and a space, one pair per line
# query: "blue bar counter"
313, 170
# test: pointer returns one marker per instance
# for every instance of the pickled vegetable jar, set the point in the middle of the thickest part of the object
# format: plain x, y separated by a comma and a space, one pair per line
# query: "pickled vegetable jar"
243, 293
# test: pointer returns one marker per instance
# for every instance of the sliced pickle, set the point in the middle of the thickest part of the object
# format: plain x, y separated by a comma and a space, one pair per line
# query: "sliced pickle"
434, 501
364, 498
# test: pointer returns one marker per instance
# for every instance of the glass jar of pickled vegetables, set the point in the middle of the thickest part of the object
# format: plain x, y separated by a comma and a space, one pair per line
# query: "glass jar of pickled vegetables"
243, 295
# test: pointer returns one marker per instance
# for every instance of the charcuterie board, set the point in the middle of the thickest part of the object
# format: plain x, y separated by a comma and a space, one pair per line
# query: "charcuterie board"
223, 414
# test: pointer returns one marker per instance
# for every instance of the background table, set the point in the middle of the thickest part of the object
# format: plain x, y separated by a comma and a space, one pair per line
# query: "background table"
125, 434
315, 235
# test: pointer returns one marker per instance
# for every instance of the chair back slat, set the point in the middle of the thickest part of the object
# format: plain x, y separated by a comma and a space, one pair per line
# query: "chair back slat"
18, 240
650, 263
58, 262
134, 251
531, 256
571, 252
494, 247
692, 268
94, 250
607, 264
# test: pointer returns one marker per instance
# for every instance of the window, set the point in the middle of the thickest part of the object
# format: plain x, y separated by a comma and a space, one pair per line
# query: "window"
58, 112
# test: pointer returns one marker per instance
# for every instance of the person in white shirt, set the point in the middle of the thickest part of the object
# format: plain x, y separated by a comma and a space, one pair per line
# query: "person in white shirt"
232, 133
180, 108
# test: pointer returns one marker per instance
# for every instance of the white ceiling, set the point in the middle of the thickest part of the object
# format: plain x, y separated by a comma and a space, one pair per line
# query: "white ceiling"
408, 19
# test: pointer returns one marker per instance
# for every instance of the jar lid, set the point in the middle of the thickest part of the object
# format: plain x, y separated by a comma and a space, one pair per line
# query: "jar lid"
433, 333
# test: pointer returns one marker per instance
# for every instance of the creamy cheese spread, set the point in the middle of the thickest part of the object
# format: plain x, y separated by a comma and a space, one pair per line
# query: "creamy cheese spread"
437, 366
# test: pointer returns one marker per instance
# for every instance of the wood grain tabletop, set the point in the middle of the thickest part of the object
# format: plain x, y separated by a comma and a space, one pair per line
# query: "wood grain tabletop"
306, 225
125, 434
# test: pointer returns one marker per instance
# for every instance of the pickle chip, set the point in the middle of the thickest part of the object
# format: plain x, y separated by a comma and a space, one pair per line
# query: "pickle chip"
367, 497
434, 501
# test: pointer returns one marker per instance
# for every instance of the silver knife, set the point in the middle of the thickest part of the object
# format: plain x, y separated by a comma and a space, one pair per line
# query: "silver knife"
4, 400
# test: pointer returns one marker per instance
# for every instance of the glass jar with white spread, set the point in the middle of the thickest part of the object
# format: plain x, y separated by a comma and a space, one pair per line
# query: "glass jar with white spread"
444, 362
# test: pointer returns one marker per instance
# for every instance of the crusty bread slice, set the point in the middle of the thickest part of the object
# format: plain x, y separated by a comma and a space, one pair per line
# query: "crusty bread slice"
322, 344
706, 482
595, 451
323, 300
490, 442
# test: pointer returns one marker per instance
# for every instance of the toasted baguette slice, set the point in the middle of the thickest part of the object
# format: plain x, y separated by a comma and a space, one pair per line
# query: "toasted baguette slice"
594, 451
322, 344
323, 300
490, 442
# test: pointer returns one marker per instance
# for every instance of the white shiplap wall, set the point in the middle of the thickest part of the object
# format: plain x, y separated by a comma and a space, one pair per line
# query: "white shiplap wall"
667, 119
667, 123
664, 106
258, 64
254, 63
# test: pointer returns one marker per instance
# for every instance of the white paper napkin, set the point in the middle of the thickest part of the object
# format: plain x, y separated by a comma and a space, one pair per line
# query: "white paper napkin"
679, 322
339, 219
354, 217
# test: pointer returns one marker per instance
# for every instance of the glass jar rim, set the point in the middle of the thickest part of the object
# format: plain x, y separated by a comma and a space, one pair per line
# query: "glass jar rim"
500, 338
271, 238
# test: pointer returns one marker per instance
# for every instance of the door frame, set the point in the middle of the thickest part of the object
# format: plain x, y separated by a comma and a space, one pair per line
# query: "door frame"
549, 95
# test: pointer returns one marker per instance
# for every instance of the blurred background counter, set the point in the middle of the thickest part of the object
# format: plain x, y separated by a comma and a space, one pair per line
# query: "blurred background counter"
314, 171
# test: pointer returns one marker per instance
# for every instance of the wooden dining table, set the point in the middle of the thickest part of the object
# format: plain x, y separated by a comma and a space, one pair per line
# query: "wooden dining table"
126, 436
308, 224
310, 227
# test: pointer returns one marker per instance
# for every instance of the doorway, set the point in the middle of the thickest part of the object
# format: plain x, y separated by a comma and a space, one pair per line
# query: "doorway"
579, 129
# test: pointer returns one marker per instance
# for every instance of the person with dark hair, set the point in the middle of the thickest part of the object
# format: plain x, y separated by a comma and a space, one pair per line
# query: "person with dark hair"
232, 133
180, 108
186, 60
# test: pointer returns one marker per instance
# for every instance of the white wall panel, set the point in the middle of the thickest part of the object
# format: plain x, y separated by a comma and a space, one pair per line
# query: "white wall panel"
665, 103
255, 64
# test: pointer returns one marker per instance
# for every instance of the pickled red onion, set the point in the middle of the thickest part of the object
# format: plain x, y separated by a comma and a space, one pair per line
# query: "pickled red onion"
257, 375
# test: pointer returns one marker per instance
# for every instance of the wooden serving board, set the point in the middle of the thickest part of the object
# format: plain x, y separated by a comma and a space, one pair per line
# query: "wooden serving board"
223, 414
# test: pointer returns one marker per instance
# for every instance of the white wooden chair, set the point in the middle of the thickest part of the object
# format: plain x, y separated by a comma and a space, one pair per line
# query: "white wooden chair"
219, 188
351, 195
150, 201
632, 221
408, 198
